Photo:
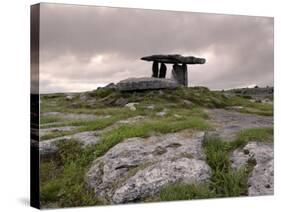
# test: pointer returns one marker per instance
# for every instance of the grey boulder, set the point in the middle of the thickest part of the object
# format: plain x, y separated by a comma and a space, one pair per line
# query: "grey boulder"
139, 167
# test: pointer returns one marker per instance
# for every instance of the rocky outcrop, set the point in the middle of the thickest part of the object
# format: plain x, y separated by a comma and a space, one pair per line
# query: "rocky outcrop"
260, 155
229, 123
50, 146
146, 83
139, 167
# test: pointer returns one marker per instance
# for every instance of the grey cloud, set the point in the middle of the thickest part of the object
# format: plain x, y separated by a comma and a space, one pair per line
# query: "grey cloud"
239, 49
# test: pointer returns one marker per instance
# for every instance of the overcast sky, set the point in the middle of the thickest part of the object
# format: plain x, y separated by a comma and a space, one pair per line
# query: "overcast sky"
84, 47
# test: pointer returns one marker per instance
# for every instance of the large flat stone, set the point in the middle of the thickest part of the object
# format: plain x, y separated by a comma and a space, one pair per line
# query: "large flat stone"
146, 83
229, 123
174, 58
139, 167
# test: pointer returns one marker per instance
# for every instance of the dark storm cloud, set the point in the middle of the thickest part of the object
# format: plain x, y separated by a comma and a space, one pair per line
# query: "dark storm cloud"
84, 47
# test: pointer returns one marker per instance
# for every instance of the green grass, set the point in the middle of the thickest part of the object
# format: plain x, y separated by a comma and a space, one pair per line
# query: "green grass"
253, 134
49, 119
83, 126
224, 181
117, 114
67, 187
181, 191
250, 107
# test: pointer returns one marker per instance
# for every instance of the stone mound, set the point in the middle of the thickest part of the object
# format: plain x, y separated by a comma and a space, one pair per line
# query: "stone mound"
146, 83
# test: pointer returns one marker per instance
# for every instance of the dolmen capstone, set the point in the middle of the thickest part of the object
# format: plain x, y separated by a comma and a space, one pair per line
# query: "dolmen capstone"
179, 71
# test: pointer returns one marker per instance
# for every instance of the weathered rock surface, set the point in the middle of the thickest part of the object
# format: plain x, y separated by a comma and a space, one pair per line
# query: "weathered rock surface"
50, 146
72, 116
139, 167
149, 181
121, 101
146, 83
228, 123
46, 131
261, 181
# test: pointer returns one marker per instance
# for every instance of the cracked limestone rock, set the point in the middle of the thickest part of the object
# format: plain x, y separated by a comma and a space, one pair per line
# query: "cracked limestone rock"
139, 167
261, 181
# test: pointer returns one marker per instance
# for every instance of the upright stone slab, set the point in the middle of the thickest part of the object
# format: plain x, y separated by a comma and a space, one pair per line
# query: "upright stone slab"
163, 70
185, 73
179, 74
155, 69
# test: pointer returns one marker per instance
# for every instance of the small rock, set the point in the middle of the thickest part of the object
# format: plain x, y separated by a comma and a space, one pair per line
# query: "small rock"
121, 102
131, 120
151, 107
234, 107
83, 96
69, 97
131, 105
187, 103
162, 113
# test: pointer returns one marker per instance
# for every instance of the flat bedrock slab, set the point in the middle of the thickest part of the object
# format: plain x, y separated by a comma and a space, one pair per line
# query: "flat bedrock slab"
261, 181
45, 131
139, 167
72, 116
146, 83
229, 123
50, 146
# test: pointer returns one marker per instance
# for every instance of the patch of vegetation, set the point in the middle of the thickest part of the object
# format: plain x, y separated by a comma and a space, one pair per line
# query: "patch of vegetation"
83, 126
104, 92
181, 191
65, 186
49, 119
253, 134
250, 107
224, 181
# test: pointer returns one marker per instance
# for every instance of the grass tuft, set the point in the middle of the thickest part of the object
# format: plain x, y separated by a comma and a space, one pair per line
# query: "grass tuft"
181, 191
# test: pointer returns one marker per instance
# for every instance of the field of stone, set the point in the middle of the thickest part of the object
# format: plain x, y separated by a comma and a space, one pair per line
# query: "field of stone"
111, 147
